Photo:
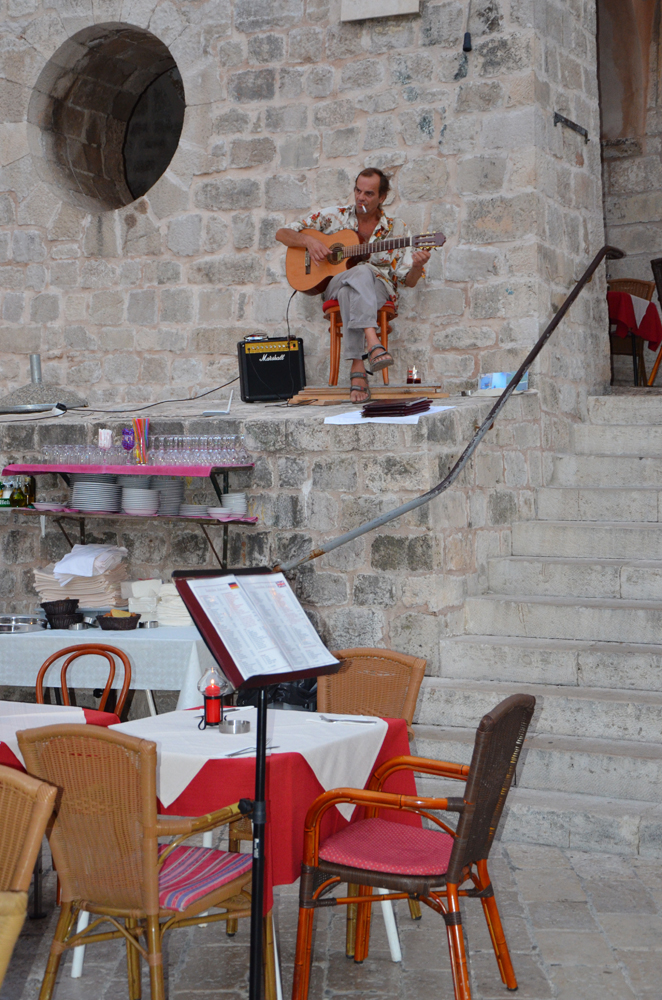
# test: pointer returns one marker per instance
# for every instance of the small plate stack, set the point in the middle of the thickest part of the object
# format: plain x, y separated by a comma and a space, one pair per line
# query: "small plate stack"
235, 502
140, 501
137, 482
172, 494
95, 493
192, 510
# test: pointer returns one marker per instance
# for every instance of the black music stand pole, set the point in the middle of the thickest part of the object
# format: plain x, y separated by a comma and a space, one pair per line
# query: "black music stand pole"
259, 828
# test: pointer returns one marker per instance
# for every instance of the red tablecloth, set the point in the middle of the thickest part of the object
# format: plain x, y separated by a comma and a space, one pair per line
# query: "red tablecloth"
291, 788
92, 718
621, 312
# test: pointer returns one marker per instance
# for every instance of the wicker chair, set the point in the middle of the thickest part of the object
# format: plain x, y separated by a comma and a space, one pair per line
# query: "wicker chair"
26, 805
88, 649
430, 865
632, 346
104, 842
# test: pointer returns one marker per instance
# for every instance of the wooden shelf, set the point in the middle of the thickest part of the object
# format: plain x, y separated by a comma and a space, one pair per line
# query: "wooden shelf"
76, 515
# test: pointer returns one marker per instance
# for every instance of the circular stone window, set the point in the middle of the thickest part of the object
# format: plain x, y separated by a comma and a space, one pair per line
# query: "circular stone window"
106, 115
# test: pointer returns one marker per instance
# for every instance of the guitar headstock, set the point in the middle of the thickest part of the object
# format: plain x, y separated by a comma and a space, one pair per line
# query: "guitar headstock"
428, 241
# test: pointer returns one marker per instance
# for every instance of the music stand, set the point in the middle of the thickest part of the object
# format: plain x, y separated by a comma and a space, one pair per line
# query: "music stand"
218, 649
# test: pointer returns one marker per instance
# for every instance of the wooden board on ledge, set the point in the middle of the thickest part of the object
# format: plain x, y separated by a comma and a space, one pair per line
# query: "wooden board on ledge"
332, 395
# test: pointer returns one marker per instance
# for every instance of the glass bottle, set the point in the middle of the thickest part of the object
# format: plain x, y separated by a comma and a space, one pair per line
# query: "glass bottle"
30, 489
18, 497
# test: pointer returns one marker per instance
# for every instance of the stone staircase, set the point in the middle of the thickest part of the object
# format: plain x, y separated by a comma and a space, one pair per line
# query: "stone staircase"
574, 616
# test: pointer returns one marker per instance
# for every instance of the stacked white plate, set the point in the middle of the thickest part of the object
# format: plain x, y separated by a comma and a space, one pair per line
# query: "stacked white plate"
222, 513
192, 510
172, 494
236, 502
135, 482
88, 478
140, 501
96, 496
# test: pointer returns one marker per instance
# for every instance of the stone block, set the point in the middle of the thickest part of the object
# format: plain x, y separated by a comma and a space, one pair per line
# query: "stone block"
480, 96
290, 83
300, 152
263, 15
380, 132
319, 81
216, 340
321, 589
333, 186
216, 233
120, 369
391, 34
418, 635
491, 220
409, 67
266, 48
285, 192
229, 193
374, 590
168, 272
441, 302
13, 305
45, 308
337, 472
503, 55
361, 74
464, 338
7, 210
442, 24
176, 305
187, 371
270, 304
510, 129
231, 122
251, 152
306, 45
5, 247
64, 274
471, 264
481, 174
253, 85
88, 373
287, 118
352, 627
292, 472
423, 180
269, 226
344, 41
142, 307
243, 230
377, 103
342, 142
154, 369
417, 126
21, 340
184, 235
228, 269
28, 246
106, 308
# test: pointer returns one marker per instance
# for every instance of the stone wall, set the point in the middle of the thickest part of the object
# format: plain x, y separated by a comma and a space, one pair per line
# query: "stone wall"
284, 105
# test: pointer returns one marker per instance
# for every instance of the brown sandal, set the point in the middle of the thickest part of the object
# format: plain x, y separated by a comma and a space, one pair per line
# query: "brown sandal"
359, 388
383, 360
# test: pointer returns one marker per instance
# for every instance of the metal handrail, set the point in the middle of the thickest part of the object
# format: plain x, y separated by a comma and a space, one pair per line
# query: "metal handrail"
613, 253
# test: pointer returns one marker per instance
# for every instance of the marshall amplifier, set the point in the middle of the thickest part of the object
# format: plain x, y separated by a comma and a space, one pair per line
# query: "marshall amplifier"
271, 369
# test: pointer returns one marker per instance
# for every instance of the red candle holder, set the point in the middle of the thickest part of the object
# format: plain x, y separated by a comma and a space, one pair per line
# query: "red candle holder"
212, 687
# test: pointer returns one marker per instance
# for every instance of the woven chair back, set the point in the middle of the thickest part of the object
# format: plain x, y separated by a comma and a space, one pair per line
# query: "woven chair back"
13, 906
633, 286
372, 682
499, 740
104, 836
88, 649
26, 805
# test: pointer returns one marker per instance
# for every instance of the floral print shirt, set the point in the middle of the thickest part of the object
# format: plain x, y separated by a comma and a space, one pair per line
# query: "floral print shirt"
390, 266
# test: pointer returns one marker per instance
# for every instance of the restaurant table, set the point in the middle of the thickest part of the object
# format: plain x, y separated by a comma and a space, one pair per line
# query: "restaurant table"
168, 658
309, 756
17, 715
632, 314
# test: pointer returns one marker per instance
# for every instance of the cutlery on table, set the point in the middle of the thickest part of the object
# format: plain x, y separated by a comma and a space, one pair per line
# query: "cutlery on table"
236, 753
352, 722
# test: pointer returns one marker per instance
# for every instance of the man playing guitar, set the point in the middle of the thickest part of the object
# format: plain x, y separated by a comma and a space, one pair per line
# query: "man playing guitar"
363, 289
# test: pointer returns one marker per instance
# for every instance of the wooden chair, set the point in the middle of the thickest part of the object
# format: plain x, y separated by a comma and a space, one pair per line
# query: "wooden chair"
104, 842
88, 649
435, 866
632, 346
26, 805
332, 311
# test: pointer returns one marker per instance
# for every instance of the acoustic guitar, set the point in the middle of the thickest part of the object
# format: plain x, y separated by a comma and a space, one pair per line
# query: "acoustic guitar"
344, 251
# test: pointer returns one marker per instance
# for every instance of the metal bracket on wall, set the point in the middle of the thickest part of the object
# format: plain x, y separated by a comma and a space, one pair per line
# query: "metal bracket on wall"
562, 120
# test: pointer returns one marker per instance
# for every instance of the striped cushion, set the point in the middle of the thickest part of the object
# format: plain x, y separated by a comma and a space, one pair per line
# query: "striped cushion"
189, 873
377, 845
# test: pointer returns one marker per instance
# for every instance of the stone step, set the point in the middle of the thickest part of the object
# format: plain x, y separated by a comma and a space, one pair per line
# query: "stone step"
594, 540
550, 577
606, 470
616, 439
572, 822
564, 618
633, 410
565, 503
605, 768
589, 713
575, 663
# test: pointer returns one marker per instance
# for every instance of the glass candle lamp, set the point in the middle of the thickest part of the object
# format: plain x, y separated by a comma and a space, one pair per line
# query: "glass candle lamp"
213, 686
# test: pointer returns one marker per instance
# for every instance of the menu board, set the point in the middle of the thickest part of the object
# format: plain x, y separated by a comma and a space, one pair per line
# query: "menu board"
260, 623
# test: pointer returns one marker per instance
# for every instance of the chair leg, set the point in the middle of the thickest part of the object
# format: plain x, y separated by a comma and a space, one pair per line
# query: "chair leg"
456, 945
303, 955
364, 913
270, 990
64, 925
334, 348
495, 927
133, 964
384, 332
414, 909
350, 940
155, 952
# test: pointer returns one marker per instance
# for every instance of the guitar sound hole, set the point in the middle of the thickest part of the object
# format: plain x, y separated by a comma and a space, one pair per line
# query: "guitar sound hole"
335, 252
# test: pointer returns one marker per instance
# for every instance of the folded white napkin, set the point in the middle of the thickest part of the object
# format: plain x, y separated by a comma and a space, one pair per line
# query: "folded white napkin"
88, 560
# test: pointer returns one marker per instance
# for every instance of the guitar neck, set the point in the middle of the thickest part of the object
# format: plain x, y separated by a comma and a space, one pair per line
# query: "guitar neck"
379, 246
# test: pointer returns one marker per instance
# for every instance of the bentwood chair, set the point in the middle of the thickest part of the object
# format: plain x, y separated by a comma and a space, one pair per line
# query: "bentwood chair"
88, 649
104, 842
631, 346
331, 309
26, 805
435, 866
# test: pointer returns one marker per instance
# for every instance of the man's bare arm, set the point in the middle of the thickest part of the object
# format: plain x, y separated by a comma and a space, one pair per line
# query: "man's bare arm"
289, 238
420, 258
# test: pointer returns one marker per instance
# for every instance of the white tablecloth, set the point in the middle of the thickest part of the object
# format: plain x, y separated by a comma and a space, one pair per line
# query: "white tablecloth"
17, 715
341, 754
162, 659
